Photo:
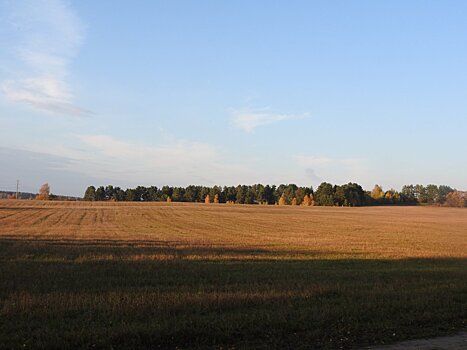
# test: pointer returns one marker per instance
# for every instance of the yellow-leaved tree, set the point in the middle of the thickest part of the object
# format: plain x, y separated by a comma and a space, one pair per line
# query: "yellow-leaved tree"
216, 198
456, 199
207, 200
377, 192
44, 192
282, 200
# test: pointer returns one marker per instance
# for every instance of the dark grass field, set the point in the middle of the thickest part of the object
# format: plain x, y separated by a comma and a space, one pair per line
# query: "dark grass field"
70, 285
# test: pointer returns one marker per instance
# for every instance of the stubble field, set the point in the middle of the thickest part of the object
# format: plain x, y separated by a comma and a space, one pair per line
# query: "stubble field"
154, 275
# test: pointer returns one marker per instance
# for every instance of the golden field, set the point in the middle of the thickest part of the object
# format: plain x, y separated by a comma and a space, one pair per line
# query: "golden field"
371, 232
180, 275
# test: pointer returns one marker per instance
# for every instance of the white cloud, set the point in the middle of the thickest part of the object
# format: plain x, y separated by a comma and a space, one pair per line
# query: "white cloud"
249, 120
105, 159
128, 163
178, 154
45, 36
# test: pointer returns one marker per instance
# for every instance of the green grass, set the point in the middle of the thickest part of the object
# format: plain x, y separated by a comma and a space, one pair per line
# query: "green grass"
59, 294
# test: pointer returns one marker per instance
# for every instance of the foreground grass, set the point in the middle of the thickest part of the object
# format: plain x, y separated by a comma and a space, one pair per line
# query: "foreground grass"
70, 291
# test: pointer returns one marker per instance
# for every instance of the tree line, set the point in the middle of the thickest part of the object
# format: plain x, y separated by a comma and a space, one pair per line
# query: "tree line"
326, 194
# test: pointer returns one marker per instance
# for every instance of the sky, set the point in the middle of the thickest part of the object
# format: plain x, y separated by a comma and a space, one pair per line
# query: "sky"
232, 92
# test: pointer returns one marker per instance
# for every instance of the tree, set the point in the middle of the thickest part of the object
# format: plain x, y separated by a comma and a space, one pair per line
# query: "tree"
306, 200
241, 194
324, 194
44, 192
312, 199
178, 194
354, 194
90, 194
421, 194
202, 193
214, 191
300, 194
350, 194
269, 194
408, 192
207, 199
130, 195
154, 194
289, 193
230, 194
377, 192
109, 192
100, 194
443, 191
432, 193
168, 200
167, 192
282, 200
339, 195
456, 199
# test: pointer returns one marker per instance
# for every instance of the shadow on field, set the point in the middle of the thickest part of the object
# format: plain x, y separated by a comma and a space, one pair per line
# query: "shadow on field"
139, 249
103, 294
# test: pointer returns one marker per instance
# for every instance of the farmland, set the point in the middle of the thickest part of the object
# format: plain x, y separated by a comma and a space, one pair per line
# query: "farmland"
149, 275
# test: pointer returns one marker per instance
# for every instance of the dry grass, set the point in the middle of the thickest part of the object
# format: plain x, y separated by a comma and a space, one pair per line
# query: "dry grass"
195, 275
375, 232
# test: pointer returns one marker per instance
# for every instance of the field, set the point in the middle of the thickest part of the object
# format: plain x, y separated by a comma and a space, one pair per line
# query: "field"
157, 275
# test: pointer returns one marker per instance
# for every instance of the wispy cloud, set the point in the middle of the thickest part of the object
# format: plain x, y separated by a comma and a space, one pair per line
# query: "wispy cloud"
45, 36
130, 163
337, 170
249, 120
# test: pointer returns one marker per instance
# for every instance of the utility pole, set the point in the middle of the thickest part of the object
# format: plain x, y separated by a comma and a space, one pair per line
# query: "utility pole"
17, 188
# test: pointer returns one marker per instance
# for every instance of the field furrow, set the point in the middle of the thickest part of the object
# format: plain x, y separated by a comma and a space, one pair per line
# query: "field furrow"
157, 275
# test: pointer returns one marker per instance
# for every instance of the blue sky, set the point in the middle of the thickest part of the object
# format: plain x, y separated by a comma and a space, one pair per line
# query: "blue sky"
229, 92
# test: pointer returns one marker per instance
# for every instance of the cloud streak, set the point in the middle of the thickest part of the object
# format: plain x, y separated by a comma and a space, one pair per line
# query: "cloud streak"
46, 35
336, 170
130, 163
249, 120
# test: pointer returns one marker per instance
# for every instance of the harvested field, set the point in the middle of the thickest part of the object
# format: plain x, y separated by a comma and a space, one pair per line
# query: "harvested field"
148, 275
